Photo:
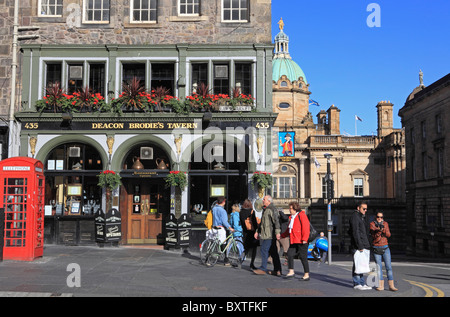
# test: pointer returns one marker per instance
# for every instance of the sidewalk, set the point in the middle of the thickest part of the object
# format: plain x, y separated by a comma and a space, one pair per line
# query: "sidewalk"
153, 272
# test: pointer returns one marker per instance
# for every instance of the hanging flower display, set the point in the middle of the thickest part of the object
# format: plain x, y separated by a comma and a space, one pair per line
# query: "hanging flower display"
262, 179
177, 179
109, 179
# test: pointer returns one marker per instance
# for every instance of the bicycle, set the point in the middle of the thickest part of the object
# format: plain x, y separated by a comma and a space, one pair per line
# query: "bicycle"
212, 249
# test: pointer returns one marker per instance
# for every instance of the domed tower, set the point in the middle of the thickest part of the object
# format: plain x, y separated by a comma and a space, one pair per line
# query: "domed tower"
290, 88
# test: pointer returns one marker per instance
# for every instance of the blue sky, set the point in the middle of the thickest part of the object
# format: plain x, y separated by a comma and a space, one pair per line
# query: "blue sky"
353, 66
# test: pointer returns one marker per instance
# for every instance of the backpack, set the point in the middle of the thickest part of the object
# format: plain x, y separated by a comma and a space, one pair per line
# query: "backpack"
249, 223
209, 220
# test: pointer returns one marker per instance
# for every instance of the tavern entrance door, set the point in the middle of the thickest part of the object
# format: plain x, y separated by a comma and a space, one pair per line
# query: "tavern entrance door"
147, 201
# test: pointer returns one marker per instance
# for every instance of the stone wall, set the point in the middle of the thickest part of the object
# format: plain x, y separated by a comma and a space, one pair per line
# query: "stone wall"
207, 28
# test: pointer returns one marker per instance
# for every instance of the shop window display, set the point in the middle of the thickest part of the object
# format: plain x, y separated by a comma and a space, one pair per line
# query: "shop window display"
71, 182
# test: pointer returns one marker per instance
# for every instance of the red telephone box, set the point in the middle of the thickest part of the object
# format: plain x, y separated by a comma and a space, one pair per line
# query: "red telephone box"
22, 195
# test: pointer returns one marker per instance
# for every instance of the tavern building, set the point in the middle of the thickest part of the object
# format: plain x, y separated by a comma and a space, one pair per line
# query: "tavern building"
173, 50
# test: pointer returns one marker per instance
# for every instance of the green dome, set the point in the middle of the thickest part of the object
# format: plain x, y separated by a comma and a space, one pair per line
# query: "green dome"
286, 66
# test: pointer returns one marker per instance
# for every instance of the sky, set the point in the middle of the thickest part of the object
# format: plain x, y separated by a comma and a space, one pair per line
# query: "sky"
354, 66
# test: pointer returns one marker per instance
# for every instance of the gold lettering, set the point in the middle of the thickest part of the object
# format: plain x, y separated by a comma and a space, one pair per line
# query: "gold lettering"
107, 125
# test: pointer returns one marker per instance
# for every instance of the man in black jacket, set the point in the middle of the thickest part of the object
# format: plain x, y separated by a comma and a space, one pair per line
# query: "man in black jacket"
359, 240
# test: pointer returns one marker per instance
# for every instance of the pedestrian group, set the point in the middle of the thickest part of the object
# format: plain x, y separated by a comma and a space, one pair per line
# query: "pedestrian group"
275, 230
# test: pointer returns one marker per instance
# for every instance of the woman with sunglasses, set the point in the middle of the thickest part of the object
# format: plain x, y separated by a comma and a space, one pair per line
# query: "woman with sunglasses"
380, 232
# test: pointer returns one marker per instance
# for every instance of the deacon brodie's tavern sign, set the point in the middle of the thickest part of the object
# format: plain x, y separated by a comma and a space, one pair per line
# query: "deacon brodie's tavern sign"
122, 125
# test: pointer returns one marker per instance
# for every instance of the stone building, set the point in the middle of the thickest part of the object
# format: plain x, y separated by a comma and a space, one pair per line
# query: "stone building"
181, 86
425, 117
369, 168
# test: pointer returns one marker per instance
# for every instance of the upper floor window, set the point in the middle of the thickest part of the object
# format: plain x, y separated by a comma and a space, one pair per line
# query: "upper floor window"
96, 11
235, 10
423, 127
75, 78
50, 8
285, 187
188, 7
143, 11
439, 124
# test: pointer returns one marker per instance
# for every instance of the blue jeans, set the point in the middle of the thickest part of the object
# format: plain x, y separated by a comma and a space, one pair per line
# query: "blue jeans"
358, 279
386, 257
269, 246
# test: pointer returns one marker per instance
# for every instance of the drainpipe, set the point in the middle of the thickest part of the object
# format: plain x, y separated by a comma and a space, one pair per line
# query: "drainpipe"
12, 151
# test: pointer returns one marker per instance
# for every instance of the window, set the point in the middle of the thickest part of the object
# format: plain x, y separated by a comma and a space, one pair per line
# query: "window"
440, 162
163, 75
243, 77
188, 7
75, 81
199, 74
424, 165
439, 124
324, 187
359, 187
424, 130
285, 187
133, 70
221, 81
235, 10
97, 78
71, 174
96, 11
143, 11
54, 72
75, 78
283, 105
50, 8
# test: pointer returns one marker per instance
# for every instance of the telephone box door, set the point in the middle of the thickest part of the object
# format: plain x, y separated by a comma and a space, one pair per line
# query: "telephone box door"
22, 197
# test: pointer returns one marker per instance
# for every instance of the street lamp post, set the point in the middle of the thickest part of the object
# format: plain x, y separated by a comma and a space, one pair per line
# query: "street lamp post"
329, 180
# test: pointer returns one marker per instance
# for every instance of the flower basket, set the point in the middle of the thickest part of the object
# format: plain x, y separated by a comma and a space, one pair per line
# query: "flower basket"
262, 179
86, 101
177, 179
109, 179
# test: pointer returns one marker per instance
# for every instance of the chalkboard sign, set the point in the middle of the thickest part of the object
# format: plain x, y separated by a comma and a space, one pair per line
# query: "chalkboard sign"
99, 221
171, 231
184, 230
113, 225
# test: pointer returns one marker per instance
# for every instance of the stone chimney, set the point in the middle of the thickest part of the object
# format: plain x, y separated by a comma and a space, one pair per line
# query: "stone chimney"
334, 120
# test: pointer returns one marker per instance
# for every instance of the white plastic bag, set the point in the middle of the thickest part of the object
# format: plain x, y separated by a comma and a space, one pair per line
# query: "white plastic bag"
362, 260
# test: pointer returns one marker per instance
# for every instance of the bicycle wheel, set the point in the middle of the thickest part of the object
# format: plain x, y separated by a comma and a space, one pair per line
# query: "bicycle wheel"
235, 253
209, 252
203, 249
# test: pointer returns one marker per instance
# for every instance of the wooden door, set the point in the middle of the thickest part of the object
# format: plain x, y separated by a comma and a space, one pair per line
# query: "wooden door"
144, 221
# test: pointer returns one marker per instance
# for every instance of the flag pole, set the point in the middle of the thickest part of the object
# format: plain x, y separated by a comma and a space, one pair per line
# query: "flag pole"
355, 127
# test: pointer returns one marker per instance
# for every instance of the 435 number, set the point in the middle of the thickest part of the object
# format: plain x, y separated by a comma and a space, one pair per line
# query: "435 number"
31, 126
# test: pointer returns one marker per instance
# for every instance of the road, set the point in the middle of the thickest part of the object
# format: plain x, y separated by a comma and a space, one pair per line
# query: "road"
89, 271
427, 279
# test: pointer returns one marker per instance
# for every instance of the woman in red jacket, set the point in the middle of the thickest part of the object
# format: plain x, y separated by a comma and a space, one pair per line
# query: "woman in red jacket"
298, 232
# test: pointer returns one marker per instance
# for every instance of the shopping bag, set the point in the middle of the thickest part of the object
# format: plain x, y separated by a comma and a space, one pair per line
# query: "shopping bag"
362, 260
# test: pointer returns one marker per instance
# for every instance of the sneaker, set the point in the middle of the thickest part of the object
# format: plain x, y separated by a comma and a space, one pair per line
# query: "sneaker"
366, 287
358, 287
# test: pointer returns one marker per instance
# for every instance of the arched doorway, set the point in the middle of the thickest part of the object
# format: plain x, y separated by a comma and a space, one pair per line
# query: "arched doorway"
144, 198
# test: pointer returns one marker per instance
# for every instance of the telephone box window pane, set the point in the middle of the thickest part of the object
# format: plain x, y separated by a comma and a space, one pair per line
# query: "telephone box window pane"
15, 194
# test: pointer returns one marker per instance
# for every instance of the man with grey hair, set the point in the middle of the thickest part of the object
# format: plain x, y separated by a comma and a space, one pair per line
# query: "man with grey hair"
268, 232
